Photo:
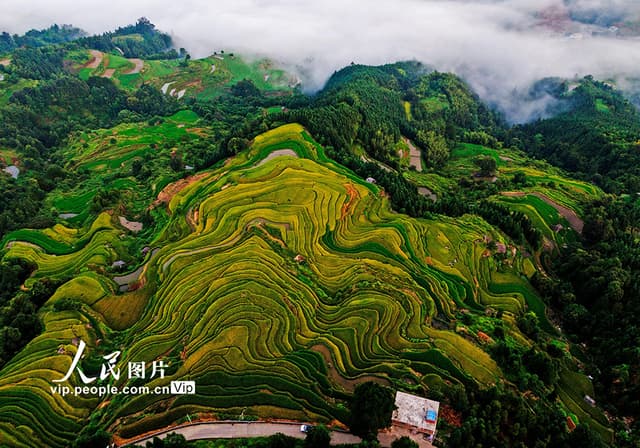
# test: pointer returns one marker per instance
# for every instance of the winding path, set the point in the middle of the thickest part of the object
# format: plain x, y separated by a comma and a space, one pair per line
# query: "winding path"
96, 61
236, 430
137, 67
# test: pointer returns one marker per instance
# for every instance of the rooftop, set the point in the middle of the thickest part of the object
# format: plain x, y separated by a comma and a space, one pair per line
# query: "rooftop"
417, 412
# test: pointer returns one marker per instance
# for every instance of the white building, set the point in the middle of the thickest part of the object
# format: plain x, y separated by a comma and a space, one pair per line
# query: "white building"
416, 413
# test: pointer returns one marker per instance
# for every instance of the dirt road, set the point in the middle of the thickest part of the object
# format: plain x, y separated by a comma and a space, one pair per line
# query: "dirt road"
236, 430
138, 64
96, 61
226, 430
108, 73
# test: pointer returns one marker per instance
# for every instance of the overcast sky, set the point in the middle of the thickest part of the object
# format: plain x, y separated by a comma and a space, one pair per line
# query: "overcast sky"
499, 46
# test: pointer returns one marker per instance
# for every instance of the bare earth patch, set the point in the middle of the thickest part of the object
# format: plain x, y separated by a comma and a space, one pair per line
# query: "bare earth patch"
138, 64
168, 192
353, 194
277, 153
424, 191
108, 73
5, 62
131, 225
96, 61
415, 157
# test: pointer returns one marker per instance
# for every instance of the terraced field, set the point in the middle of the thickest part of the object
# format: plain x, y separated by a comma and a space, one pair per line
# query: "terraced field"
549, 198
203, 78
207, 78
108, 155
109, 66
279, 281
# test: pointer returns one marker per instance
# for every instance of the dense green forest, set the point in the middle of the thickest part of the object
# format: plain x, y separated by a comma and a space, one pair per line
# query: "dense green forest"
595, 136
141, 40
362, 117
55, 34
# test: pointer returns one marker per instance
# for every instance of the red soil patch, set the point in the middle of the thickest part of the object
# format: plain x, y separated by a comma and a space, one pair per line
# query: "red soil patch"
448, 414
353, 194
484, 337
197, 84
168, 192
192, 218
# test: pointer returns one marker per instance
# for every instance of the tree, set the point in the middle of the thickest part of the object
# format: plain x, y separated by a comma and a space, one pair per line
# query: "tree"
175, 440
91, 439
436, 151
487, 165
185, 61
371, 409
529, 324
279, 440
318, 437
236, 144
176, 162
136, 167
245, 88
520, 178
404, 442
583, 435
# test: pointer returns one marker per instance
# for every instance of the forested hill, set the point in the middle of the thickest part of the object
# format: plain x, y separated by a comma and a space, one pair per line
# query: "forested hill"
597, 136
402, 98
141, 40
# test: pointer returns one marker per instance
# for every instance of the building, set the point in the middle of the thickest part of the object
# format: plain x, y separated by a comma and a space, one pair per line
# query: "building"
118, 264
416, 413
590, 400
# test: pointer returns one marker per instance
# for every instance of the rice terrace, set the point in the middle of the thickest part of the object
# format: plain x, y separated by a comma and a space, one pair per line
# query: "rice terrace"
234, 249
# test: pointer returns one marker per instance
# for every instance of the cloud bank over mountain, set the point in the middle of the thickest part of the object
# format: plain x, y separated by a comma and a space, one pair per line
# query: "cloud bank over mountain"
499, 47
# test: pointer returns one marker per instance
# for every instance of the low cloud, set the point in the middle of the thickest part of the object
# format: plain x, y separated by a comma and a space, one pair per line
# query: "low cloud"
499, 47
